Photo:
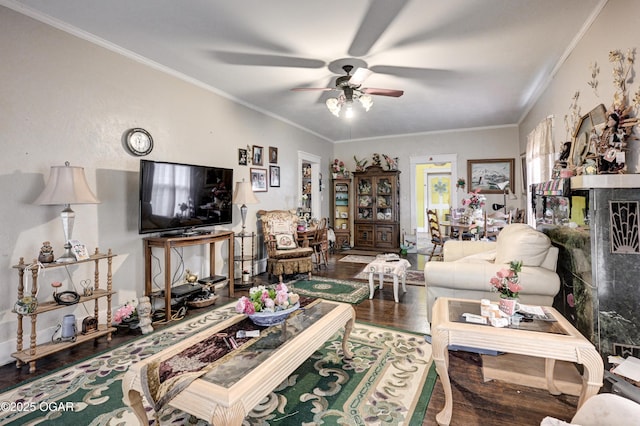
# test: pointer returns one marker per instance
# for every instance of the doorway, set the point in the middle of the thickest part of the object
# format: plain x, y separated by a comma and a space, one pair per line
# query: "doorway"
309, 178
436, 190
432, 178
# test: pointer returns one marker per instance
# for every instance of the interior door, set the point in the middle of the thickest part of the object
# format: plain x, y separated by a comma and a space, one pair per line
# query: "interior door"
437, 193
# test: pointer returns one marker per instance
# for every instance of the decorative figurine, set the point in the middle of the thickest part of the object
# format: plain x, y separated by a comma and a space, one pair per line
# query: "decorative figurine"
144, 314
190, 278
46, 253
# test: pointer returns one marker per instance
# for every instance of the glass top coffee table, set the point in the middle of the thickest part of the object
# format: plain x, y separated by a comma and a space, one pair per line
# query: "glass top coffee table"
238, 381
551, 340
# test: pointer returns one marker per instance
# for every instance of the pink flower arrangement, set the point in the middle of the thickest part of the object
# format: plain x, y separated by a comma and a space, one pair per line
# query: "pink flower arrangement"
266, 299
337, 166
127, 311
506, 281
475, 200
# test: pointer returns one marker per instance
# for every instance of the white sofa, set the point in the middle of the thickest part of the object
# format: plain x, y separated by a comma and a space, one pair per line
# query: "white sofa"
468, 266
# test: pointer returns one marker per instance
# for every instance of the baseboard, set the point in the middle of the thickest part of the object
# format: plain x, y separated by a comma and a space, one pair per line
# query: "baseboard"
529, 371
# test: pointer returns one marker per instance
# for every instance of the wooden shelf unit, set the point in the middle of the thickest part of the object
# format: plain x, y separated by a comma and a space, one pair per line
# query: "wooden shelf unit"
342, 212
34, 351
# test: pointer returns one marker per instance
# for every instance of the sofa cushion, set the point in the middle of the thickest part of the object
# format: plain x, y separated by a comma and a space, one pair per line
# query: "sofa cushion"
482, 257
519, 241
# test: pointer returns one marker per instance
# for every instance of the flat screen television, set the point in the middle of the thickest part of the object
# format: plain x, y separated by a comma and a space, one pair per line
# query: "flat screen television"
178, 198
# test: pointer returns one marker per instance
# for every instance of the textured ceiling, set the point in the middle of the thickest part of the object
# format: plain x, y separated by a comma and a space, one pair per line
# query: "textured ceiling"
461, 63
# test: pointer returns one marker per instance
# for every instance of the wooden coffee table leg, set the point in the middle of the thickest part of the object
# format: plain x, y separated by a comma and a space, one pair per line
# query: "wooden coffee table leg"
440, 347
229, 416
134, 400
549, 367
395, 287
371, 289
347, 332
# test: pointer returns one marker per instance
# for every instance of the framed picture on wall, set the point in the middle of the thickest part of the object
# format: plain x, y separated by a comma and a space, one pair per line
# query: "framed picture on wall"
257, 155
491, 176
273, 155
274, 176
259, 180
242, 157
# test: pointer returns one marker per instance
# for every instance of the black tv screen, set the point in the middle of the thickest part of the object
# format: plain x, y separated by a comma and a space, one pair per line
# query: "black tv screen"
181, 197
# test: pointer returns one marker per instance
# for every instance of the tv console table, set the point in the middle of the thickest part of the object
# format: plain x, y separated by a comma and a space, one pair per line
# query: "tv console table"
167, 243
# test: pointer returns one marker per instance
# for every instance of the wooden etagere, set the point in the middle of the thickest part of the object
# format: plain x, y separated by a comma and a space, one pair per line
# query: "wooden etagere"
34, 351
341, 212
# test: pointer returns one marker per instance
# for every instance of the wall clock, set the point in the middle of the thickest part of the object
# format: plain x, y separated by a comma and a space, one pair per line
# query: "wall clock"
138, 141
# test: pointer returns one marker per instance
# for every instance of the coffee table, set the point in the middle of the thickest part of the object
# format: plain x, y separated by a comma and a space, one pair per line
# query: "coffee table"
557, 340
396, 268
241, 379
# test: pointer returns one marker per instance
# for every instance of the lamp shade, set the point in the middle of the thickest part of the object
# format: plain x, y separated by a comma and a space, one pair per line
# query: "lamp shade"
66, 185
243, 194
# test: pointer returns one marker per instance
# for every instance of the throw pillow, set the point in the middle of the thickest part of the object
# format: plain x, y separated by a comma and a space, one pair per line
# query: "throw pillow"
519, 241
285, 242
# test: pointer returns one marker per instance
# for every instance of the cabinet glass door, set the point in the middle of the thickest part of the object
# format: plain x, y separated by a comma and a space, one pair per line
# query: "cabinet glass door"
384, 199
365, 199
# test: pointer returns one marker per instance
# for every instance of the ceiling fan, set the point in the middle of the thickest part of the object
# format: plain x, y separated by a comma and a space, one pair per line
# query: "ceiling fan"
350, 88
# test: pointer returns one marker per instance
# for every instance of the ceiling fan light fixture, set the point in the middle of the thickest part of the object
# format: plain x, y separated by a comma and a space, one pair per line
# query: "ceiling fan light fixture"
366, 101
334, 106
348, 113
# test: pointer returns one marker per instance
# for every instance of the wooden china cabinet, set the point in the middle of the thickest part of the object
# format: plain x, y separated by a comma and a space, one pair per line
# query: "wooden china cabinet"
377, 209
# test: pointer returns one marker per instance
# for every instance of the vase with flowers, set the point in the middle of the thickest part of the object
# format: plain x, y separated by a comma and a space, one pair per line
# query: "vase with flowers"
338, 169
474, 205
507, 283
268, 306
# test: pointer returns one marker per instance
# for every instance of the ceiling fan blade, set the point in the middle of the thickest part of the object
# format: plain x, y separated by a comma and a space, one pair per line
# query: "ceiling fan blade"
380, 15
234, 58
383, 92
359, 77
311, 89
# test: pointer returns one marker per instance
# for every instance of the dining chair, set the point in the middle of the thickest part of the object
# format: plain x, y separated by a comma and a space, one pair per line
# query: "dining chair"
320, 244
437, 239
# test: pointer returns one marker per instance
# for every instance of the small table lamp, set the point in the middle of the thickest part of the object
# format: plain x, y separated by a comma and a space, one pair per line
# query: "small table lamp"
243, 195
506, 193
67, 185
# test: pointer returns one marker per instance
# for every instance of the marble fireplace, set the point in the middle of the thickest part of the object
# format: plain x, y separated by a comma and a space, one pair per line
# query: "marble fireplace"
599, 264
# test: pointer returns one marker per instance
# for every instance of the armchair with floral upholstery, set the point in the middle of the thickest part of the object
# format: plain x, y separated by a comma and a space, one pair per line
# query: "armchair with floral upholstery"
284, 255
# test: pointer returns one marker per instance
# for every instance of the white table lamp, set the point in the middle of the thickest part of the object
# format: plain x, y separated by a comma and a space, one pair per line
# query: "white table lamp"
244, 195
67, 185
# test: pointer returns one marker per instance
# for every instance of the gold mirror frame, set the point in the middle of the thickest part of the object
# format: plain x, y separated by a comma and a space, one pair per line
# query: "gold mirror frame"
582, 134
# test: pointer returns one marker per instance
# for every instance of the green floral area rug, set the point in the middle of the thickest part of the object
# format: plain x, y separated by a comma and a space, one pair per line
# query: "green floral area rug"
331, 289
389, 381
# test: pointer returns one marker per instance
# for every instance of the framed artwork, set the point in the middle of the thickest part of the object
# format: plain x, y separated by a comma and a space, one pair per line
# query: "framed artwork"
259, 180
491, 176
257, 155
273, 155
274, 176
242, 157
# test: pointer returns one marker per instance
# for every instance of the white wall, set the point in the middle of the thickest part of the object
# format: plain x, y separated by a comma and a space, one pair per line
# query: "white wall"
497, 142
615, 28
65, 99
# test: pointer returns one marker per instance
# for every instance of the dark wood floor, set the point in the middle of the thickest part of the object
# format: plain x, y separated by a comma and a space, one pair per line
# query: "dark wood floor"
474, 402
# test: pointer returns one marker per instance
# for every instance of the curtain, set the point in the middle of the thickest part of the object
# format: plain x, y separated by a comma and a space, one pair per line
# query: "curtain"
540, 158
540, 153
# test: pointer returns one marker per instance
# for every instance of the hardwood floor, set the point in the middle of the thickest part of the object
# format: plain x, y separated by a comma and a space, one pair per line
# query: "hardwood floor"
474, 401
